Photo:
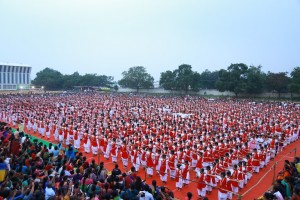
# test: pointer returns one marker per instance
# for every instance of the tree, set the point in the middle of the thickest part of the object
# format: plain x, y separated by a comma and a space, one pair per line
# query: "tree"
208, 79
183, 78
49, 78
255, 80
96, 80
238, 76
223, 80
54, 80
167, 80
277, 82
195, 82
137, 78
71, 80
234, 79
294, 86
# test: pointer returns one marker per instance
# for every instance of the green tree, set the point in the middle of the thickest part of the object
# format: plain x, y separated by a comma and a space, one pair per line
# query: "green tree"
277, 82
71, 80
255, 80
183, 78
208, 79
184, 75
49, 78
195, 83
137, 78
96, 80
54, 80
167, 80
105, 81
234, 79
89, 80
238, 76
294, 86
223, 80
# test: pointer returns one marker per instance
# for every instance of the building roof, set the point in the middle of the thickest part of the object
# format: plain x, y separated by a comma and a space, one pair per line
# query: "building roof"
14, 64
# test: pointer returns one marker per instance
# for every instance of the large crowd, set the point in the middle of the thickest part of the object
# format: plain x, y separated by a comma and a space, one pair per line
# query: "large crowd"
222, 141
38, 172
287, 184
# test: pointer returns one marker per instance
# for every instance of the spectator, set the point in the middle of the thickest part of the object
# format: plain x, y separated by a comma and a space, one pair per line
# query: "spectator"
189, 196
145, 194
49, 192
116, 171
277, 193
285, 183
70, 154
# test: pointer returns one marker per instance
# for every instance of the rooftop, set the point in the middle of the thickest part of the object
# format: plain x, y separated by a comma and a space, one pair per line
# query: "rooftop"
15, 64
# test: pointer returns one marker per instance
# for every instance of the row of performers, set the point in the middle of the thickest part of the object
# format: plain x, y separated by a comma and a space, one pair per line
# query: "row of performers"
221, 173
165, 160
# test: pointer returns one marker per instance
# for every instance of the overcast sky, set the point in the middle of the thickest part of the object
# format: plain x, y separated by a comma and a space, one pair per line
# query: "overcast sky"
107, 37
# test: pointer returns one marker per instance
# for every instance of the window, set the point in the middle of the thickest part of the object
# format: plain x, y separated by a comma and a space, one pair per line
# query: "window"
4, 68
24, 78
0, 68
20, 76
8, 77
28, 79
12, 78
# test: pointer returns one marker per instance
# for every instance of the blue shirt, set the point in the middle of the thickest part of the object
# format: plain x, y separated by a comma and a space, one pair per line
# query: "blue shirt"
70, 154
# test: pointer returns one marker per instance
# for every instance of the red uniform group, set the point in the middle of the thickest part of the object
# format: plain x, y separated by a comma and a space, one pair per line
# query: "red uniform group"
168, 135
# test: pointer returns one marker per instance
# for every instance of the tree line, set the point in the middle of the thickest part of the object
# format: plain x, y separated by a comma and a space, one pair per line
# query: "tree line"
52, 79
237, 78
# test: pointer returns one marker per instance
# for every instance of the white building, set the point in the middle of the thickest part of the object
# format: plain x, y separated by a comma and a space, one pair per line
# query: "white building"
14, 76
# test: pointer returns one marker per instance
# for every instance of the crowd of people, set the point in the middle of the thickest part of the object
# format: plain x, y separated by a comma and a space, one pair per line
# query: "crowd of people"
51, 172
287, 185
223, 141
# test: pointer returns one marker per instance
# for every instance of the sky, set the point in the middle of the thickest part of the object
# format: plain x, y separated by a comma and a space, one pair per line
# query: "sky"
108, 37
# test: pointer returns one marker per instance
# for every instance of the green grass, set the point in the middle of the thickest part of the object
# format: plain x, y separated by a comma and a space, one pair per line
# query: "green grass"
39, 140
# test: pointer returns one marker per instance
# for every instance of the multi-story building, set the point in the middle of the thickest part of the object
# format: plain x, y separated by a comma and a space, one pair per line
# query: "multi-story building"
14, 76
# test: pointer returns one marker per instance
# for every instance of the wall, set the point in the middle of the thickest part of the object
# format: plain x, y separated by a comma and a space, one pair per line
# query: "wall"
163, 91
212, 92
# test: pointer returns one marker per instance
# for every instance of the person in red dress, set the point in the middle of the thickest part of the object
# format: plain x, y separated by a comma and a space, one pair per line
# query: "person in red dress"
256, 161
172, 163
163, 169
124, 154
235, 176
150, 163
199, 164
178, 177
201, 186
222, 185
186, 173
